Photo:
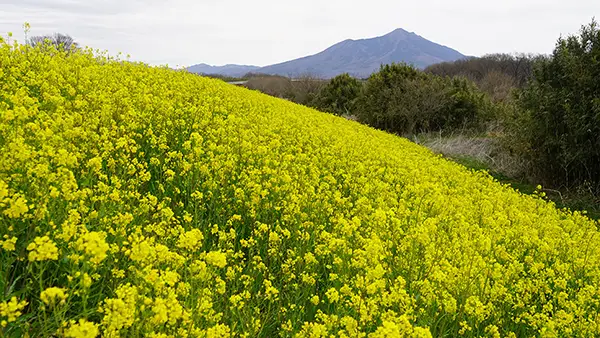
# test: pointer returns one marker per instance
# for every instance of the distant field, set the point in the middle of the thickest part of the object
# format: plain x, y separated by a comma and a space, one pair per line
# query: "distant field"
139, 201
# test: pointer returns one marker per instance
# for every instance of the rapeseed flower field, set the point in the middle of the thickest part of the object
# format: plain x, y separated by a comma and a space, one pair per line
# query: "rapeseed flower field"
141, 201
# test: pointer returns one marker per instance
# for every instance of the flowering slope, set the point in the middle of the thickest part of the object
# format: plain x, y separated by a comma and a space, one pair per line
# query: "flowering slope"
139, 201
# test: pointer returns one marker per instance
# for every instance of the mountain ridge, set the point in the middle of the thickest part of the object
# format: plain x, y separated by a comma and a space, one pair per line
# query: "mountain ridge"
232, 70
362, 57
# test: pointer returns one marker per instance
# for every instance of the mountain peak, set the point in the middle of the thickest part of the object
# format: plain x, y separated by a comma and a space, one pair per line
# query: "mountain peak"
400, 34
399, 31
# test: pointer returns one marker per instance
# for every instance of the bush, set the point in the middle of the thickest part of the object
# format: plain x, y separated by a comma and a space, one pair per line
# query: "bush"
467, 107
403, 100
339, 95
560, 123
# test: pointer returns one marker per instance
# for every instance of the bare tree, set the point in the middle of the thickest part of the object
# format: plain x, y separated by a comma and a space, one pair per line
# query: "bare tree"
305, 88
517, 66
61, 41
272, 85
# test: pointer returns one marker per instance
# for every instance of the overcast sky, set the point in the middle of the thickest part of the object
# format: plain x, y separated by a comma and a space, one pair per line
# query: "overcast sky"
262, 32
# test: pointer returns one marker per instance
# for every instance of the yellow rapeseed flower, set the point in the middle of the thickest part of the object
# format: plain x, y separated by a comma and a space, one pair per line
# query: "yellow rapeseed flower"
216, 258
82, 329
9, 244
53, 295
41, 249
94, 245
190, 240
11, 310
18, 206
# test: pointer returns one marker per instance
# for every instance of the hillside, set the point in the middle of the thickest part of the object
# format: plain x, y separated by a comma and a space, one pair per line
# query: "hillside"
139, 201
359, 58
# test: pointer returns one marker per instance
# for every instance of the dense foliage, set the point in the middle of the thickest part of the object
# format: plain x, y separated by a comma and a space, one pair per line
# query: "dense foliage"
402, 99
138, 201
559, 117
339, 95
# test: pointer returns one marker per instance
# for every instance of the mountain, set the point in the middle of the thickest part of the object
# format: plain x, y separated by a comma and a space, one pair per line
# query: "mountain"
362, 57
359, 58
227, 70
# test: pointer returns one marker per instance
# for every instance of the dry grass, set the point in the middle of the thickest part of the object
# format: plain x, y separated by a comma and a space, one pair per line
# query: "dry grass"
486, 151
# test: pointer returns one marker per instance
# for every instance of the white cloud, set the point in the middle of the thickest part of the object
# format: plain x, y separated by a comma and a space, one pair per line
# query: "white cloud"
261, 32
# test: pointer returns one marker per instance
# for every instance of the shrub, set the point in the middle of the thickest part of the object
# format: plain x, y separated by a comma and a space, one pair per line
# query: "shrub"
401, 99
466, 107
339, 95
302, 90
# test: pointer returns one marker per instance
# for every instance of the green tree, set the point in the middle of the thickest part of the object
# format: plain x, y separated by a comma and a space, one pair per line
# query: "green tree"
560, 125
